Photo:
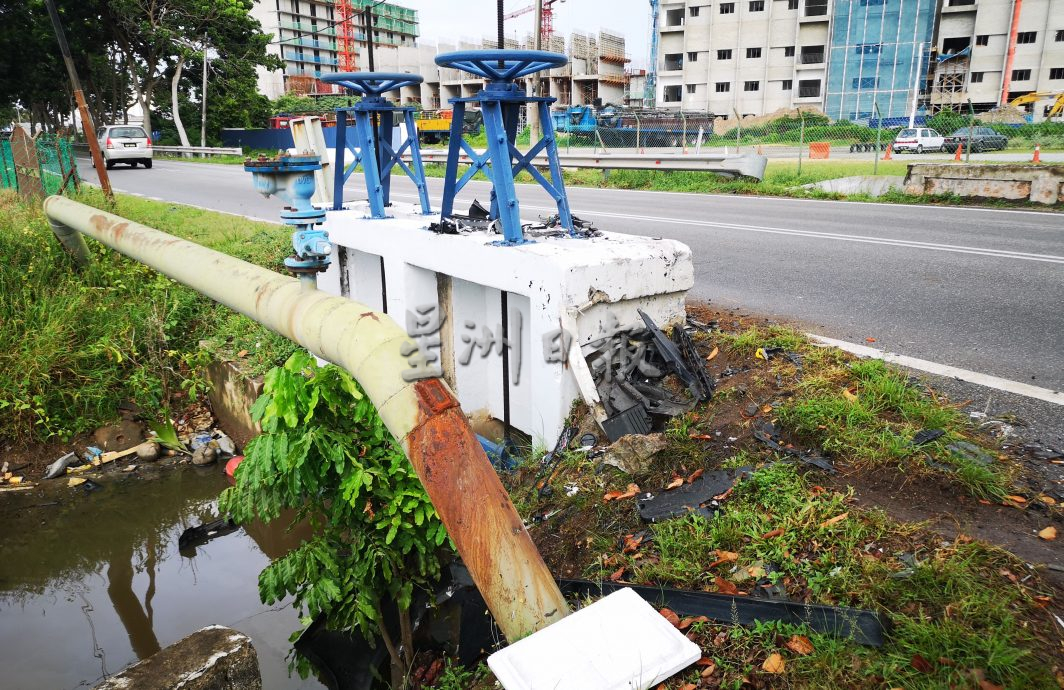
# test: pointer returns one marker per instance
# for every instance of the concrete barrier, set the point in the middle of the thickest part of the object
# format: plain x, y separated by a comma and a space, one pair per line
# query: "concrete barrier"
1040, 184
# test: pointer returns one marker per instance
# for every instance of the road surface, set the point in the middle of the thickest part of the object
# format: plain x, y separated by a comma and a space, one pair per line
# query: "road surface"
980, 289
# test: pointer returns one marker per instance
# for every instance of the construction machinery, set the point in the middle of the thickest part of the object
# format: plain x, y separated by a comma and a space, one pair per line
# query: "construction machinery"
1055, 110
546, 25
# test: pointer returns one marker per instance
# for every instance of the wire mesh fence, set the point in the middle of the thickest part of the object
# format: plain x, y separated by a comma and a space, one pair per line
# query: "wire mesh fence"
44, 164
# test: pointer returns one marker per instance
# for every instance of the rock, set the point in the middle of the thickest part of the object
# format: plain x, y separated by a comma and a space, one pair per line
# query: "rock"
148, 451
121, 436
204, 455
632, 453
214, 658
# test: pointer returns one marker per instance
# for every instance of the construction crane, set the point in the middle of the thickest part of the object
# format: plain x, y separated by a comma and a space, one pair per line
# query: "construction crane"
1058, 101
345, 36
650, 86
546, 27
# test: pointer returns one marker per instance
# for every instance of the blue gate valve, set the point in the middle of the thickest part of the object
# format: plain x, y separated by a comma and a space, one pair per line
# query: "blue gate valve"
291, 179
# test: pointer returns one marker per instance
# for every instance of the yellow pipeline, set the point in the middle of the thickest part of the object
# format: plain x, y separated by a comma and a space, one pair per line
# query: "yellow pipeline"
423, 415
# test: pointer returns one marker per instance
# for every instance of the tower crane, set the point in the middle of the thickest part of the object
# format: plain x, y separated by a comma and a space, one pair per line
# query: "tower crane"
651, 84
546, 27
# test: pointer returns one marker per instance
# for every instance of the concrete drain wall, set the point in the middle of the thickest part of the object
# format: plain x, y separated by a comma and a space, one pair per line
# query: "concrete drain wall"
1040, 184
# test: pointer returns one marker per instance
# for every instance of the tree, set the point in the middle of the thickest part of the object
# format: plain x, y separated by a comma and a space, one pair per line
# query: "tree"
325, 453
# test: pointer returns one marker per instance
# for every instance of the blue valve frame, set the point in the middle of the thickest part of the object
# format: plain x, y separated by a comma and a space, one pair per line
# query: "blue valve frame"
371, 86
500, 102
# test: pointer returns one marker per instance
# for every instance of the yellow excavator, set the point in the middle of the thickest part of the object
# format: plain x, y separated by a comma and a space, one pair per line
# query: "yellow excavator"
1035, 96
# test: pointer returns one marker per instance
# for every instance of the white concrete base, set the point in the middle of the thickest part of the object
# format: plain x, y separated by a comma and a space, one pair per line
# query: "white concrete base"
396, 265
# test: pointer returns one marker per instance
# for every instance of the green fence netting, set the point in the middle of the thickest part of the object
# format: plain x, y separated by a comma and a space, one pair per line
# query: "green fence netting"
55, 162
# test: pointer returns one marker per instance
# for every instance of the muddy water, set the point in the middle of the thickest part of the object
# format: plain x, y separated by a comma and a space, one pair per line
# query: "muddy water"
92, 581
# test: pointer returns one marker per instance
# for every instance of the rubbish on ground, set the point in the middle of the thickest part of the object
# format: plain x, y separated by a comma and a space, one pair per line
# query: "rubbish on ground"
201, 534
672, 354
59, 467
225, 444
498, 453
632, 453
571, 490
551, 458
129, 468
858, 625
632, 644
971, 453
13, 481
588, 441
633, 420
700, 496
767, 353
1048, 534
767, 433
234, 462
199, 440
204, 455
925, 436
691, 358
91, 453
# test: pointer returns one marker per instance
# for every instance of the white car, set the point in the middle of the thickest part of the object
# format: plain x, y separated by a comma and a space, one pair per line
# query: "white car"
918, 140
125, 144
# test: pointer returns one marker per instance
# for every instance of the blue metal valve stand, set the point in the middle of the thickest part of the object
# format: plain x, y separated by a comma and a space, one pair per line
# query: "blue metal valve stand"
501, 101
291, 179
373, 149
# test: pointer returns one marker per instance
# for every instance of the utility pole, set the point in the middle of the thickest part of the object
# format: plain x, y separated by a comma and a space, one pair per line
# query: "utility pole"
203, 94
537, 44
86, 119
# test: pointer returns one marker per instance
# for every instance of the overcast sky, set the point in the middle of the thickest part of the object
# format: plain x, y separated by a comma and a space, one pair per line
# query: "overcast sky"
450, 20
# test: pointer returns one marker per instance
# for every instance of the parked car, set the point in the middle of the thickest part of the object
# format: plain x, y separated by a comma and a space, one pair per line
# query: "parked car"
125, 144
918, 140
982, 139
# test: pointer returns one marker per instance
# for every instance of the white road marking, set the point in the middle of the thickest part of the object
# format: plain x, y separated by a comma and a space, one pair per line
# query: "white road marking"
995, 382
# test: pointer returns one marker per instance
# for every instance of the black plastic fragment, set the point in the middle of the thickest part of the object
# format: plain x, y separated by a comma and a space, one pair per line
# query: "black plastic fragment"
201, 534
694, 362
861, 626
634, 420
696, 497
767, 433
671, 354
926, 436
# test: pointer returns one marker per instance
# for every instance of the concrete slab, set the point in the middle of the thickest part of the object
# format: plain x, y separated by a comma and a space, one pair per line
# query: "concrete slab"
872, 185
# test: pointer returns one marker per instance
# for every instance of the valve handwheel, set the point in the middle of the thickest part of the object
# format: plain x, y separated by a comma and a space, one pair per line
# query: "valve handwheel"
501, 65
372, 83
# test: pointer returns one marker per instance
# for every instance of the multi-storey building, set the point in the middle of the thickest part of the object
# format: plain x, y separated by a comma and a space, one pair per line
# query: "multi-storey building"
850, 57
305, 37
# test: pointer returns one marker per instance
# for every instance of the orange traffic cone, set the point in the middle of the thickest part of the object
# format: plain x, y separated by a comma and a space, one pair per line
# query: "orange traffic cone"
960, 150
1037, 158
886, 156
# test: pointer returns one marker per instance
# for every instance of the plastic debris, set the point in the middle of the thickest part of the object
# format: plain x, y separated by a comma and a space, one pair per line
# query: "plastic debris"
203, 533
925, 436
59, 467
701, 496
767, 433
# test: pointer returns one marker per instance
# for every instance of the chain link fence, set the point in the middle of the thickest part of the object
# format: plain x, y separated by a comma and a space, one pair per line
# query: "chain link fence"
44, 164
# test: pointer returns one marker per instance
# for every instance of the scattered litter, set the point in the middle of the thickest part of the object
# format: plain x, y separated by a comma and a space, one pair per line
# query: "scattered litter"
571, 490
199, 440
767, 433
59, 467
971, 453
767, 353
148, 451
204, 455
76, 481
673, 355
632, 453
700, 496
633, 420
925, 436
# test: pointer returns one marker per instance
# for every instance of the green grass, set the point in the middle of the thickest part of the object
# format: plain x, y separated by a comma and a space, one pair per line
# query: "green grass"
76, 343
948, 603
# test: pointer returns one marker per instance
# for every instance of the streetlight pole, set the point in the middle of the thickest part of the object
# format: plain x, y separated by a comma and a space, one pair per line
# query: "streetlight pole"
203, 95
83, 108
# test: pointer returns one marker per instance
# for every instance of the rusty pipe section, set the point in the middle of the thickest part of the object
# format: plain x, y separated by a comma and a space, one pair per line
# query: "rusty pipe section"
423, 415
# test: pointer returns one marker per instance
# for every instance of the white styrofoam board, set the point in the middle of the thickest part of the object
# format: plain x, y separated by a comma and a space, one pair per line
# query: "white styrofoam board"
618, 643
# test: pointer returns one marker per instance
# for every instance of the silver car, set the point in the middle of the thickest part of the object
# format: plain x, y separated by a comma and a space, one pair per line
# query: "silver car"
125, 144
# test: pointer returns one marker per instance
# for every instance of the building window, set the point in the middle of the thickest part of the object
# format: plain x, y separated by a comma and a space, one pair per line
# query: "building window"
751, 86
1056, 72
870, 3
982, 40
722, 86
864, 83
786, 85
673, 61
757, 5
674, 18
691, 88
792, 4
1060, 35
673, 94
977, 78
694, 11
727, 8
959, 3
812, 55
867, 48
1021, 74
692, 57
809, 88
724, 54
788, 51
753, 52
1026, 37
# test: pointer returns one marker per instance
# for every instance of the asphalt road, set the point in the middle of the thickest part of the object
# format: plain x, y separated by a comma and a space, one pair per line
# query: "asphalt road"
980, 289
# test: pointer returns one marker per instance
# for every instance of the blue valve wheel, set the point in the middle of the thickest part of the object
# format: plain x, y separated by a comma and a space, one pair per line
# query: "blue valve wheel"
372, 83
514, 63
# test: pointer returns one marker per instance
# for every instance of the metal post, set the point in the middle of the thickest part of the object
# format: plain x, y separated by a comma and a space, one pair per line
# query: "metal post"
83, 108
738, 128
801, 140
971, 125
203, 95
341, 150
424, 416
879, 134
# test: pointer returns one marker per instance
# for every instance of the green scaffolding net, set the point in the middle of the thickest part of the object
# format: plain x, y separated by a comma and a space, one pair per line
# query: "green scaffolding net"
55, 166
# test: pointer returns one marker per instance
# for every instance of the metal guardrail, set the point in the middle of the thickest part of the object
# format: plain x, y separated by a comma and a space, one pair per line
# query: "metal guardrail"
728, 164
202, 150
